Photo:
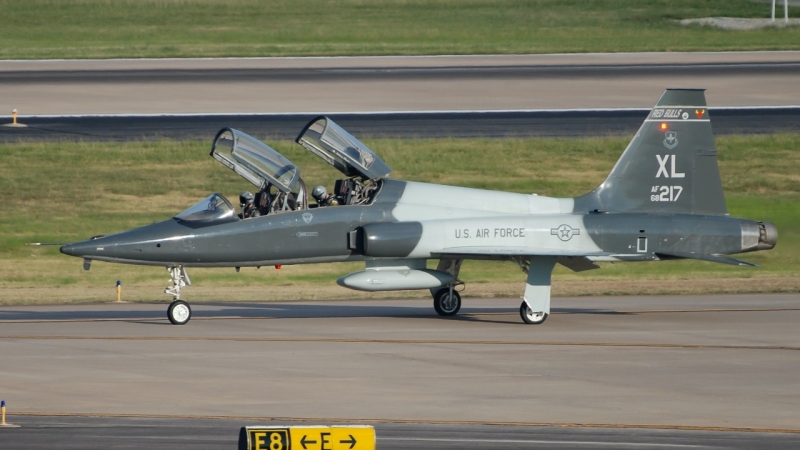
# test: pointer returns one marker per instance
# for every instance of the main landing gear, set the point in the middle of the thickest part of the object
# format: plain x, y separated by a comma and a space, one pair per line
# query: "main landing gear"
179, 311
447, 302
535, 305
529, 316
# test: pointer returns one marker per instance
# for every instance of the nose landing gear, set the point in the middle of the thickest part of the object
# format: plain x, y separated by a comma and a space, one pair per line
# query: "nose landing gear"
179, 311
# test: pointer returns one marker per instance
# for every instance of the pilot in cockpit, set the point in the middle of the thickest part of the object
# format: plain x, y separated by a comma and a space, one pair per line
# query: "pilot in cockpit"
323, 198
247, 202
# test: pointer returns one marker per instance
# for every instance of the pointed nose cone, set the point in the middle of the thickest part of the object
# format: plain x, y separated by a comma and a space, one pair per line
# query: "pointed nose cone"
70, 249
85, 249
166, 241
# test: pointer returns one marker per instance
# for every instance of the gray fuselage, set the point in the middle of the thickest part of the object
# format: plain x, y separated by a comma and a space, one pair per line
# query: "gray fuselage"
421, 221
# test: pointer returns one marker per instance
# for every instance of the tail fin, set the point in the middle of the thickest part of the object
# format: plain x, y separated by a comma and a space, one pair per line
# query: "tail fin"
670, 166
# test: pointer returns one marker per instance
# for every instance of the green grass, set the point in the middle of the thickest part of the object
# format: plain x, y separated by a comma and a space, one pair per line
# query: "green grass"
72, 190
200, 28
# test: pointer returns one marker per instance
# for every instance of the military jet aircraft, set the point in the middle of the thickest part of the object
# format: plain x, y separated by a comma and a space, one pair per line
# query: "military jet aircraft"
663, 200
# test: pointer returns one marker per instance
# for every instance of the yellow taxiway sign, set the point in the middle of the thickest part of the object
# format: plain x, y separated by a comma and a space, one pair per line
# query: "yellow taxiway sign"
307, 438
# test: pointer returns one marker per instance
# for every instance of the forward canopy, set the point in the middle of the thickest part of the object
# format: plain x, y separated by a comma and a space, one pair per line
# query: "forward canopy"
255, 161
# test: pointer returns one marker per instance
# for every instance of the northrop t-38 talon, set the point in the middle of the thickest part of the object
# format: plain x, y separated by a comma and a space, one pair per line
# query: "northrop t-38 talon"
662, 200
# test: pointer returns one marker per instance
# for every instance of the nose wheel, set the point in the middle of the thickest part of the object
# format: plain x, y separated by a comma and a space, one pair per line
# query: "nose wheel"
531, 317
447, 302
179, 312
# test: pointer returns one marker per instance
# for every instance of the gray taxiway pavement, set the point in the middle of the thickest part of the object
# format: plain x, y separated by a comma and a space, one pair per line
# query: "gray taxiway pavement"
89, 433
692, 361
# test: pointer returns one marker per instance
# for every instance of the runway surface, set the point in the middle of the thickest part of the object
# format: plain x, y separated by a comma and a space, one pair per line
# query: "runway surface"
310, 85
489, 124
89, 433
678, 364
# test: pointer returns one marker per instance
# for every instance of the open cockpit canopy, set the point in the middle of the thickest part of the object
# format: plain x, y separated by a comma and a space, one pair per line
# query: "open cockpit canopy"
255, 161
341, 150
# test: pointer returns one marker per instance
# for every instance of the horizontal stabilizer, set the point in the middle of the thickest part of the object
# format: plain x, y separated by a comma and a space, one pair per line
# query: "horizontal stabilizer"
722, 259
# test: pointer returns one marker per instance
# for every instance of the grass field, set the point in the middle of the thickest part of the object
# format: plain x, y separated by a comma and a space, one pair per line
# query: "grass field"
34, 29
70, 191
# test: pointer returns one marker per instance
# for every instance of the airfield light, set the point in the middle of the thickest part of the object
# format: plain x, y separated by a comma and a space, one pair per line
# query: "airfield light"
278, 266
664, 126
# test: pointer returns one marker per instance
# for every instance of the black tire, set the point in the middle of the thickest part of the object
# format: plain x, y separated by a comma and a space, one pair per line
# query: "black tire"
444, 305
179, 312
529, 317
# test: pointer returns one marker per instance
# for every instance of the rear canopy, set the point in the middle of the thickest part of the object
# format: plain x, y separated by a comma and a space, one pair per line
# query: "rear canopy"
341, 150
255, 161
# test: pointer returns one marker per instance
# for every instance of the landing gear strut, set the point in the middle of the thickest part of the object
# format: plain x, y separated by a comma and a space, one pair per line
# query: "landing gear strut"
179, 311
535, 305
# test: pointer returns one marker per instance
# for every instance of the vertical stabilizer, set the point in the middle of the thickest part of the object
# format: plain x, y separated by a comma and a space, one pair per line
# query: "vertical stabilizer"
670, 166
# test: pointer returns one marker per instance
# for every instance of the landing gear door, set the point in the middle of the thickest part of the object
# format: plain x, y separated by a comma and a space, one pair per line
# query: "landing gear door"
341, 150
255, 161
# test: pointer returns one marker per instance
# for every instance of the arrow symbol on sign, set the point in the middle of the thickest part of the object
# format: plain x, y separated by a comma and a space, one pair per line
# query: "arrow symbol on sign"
352, 441
304, 441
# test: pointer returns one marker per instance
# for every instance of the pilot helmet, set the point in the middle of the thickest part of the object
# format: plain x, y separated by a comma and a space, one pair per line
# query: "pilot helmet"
245, 198
319, 193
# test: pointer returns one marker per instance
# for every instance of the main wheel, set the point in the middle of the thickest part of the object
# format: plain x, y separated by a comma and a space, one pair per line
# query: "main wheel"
530, 317
179, 312
446, 304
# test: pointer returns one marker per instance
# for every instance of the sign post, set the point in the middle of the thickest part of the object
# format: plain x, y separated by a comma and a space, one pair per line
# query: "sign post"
785, 10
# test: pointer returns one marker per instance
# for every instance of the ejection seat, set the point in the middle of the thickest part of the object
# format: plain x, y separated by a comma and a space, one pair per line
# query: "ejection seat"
265, 168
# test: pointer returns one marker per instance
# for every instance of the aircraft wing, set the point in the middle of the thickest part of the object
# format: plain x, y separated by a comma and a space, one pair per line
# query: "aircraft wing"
575, 261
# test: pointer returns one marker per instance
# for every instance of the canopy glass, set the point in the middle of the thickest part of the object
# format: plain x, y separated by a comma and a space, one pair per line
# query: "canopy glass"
214, 208
255, 161
341, 150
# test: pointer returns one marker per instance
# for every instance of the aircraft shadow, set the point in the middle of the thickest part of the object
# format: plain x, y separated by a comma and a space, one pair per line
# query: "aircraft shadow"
156, 314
